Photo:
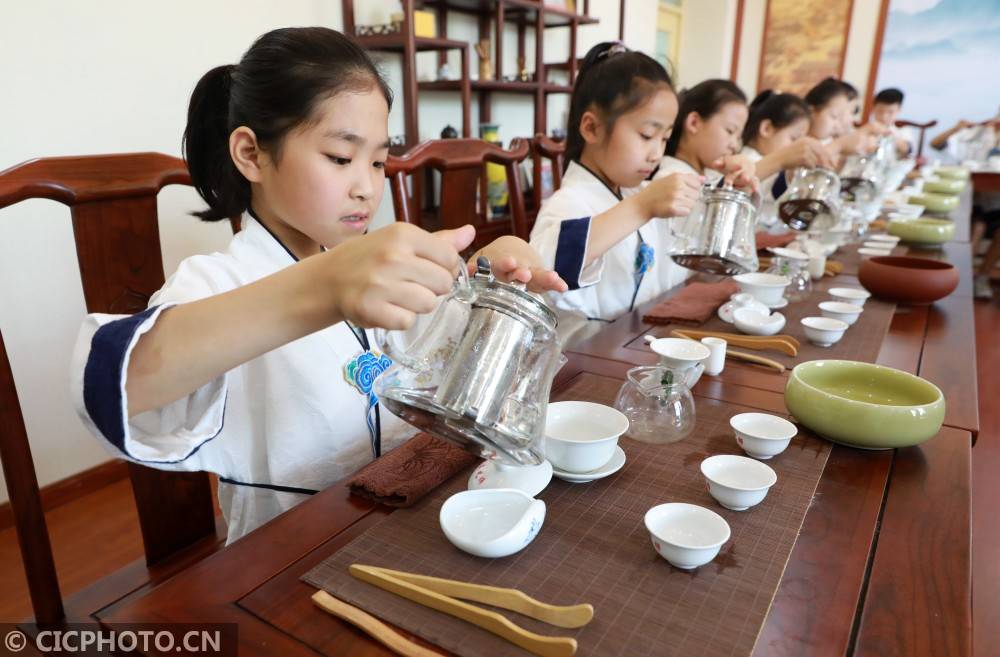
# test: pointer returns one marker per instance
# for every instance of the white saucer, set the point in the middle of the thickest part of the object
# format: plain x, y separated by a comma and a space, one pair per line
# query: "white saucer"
778, 306
530, 479
609, 468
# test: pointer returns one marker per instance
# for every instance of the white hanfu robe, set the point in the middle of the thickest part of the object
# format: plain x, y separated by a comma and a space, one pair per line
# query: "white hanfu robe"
610, 286
289, 419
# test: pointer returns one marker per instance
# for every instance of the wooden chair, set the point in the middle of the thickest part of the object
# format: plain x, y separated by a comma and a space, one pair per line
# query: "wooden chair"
550, 149
922, 127
461, 163
112, 199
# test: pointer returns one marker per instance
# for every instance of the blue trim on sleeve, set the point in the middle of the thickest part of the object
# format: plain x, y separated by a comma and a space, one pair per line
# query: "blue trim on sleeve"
570, 250
779, 186
102, 377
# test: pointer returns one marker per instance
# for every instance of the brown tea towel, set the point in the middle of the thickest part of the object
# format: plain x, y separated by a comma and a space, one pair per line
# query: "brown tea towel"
767, 240
407, 473
695, 303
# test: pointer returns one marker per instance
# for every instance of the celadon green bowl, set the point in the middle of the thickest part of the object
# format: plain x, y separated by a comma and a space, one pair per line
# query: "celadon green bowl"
956, 173
923, 230
944, 185
864, 405
935, 202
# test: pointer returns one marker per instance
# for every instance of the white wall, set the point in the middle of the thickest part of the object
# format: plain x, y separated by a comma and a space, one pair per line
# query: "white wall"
115, 76
706, 47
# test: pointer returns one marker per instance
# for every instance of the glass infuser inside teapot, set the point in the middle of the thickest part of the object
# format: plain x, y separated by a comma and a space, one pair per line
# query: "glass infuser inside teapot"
718, 236
811, 200
477, 371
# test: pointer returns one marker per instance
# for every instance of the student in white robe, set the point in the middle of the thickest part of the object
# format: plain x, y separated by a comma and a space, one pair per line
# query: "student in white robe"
607, 246
254, 363
885, 110
832, 119
775, 138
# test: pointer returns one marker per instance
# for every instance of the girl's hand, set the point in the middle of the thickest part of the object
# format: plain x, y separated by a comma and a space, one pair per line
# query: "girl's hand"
388, 277
739, 171
806, 152
857, 141
513, 259
670, 196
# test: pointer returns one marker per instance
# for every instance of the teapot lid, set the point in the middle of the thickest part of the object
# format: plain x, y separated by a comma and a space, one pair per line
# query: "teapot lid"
510, 298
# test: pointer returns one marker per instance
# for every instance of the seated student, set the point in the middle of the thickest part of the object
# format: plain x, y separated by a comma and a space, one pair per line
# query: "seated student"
254, 363
968, 141
707, 134
605, 245
885, 110
775, 139
831, 119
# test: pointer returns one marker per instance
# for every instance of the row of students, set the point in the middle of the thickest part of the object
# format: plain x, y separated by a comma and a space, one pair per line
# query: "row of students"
247, 362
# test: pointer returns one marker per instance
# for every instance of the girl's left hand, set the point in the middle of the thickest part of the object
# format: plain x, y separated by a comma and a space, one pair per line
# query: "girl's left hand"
513, 259
738, 170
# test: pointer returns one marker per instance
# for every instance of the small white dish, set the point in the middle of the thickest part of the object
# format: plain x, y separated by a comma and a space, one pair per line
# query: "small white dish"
737, 482
739, 300
766, 288
791, 254
778, 305
761, 435
529, 479
492, 522
824, 331
879, 245
854, 295
845, 312
614, 465
582, 436
686, 535
755, 322
888, 239
865, 251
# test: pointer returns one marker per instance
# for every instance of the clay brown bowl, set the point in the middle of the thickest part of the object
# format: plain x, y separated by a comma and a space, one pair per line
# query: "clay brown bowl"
916, 281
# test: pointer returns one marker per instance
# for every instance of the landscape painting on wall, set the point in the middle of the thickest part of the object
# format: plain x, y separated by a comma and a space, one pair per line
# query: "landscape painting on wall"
943, 55
804, 42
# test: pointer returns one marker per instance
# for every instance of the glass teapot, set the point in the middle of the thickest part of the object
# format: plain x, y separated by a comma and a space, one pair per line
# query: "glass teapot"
658, 404
718, 236
477, 371
811, 200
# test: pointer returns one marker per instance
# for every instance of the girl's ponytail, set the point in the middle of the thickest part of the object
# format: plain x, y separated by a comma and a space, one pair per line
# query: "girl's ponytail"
206, 148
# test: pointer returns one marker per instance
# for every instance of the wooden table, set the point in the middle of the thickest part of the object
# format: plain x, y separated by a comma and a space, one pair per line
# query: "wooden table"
881, 567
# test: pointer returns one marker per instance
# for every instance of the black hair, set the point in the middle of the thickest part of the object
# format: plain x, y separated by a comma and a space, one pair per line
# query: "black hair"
612, 81
890, 96
705, 98
852, 91
824, 92
782, 110
274, 89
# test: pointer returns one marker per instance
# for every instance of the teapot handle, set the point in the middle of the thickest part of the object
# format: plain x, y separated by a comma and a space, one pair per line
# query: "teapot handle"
433, 334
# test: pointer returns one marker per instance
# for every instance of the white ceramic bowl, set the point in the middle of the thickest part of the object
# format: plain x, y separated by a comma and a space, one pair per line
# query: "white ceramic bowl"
762, 435
824, 331
845, 312
854, 295
530, 479
766, 288
737, 482
868, 251
887, 239
686, 535
879, 245
678, 353
581, 436
493, 522
754, 322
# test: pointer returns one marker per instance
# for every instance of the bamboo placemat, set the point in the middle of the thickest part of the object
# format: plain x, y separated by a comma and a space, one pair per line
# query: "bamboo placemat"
594, 548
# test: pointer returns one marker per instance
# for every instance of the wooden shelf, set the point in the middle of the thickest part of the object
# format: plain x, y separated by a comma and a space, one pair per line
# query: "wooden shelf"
397, 41
496, 85
516, 11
